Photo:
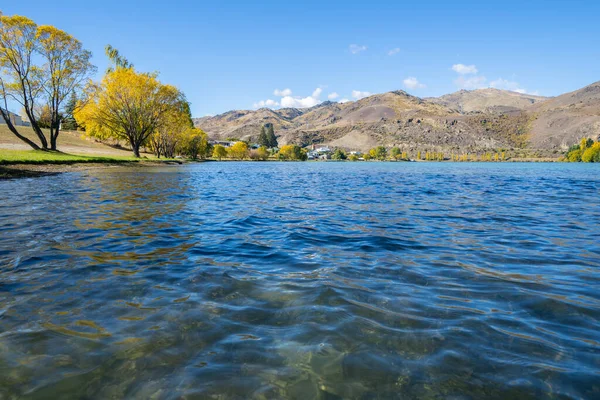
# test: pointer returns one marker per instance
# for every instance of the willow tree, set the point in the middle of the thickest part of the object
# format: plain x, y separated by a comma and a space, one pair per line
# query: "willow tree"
170, 133
40, 67
127, 105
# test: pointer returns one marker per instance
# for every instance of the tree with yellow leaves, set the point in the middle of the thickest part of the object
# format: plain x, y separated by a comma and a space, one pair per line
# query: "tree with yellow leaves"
67, 67
238, 151
174, 128
292, 152
194, 144
39, 67
219, 152
127, 105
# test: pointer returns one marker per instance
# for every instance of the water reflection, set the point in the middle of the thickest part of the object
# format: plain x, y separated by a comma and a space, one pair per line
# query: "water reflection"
249, 280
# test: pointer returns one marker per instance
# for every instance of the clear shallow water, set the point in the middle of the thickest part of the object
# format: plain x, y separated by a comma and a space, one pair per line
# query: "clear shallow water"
302, 280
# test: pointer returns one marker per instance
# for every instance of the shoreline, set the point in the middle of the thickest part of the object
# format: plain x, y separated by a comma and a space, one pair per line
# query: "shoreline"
36, 170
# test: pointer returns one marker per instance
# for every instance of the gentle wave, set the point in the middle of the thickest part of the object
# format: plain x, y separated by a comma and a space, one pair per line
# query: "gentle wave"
302, 280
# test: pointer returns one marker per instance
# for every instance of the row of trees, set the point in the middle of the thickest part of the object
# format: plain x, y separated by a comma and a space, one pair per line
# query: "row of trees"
241, 151
41, 67
586, 151
381, 153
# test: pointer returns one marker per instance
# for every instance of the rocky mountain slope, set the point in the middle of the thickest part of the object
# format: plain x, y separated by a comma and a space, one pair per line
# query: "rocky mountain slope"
564, 120
486, 100
465, 121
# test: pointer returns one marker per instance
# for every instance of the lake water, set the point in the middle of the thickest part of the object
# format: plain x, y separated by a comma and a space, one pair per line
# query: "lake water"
302, 281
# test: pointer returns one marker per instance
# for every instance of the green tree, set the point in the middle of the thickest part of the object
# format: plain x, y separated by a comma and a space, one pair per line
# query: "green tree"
116, 59
263, 140
353, 157
585, 143
396, 153
69, 123
378, 153
339, 154
272, 139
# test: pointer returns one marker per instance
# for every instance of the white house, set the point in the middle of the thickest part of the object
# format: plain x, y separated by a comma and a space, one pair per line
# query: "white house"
15, 119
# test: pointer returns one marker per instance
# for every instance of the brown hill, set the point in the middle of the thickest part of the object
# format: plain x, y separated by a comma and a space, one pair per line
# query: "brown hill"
562, 121
487, 100
466, 121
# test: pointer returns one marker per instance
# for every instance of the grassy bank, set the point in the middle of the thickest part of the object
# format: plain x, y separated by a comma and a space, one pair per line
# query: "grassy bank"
11, 157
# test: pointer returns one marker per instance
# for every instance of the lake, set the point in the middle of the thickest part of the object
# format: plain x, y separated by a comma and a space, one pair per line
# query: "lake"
239, 280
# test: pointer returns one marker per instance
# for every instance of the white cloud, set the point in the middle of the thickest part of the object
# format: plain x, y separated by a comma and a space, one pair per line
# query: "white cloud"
413, 83
507, 85
302, 102
287, 100
343, 100
355, 48
266, 103
474, 82
295, 102
333, 96
282, 93
481, 82
394, 51
357, 94
464, 69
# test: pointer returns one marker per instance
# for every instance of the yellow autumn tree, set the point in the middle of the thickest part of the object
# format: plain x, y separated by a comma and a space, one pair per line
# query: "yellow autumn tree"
292, 152
173, 129
194, 144
40, 66
127, 105
238, 151
67, 66
219, 152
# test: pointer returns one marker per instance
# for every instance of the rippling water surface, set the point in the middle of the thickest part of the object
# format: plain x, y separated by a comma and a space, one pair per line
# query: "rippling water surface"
302, 281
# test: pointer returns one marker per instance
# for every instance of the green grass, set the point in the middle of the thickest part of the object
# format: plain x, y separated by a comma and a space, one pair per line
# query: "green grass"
8, 157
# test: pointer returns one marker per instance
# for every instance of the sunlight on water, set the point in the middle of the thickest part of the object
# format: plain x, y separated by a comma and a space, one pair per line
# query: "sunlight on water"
302, 281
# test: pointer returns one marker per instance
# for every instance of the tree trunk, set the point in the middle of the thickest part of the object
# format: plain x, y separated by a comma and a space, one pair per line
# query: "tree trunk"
54, 133
14, 130
136, 149
53, 139
36, 128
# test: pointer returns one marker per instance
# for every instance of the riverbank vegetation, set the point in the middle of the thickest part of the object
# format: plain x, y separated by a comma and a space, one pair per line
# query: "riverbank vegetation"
586, 151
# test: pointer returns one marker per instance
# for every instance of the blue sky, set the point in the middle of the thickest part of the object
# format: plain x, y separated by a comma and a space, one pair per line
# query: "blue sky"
234, 54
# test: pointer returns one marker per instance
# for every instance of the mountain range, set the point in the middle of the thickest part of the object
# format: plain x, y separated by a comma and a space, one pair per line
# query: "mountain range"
465, 121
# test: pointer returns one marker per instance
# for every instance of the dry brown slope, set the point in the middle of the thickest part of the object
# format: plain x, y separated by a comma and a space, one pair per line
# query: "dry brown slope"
563, 120
500, 119
68, 142
487, 100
